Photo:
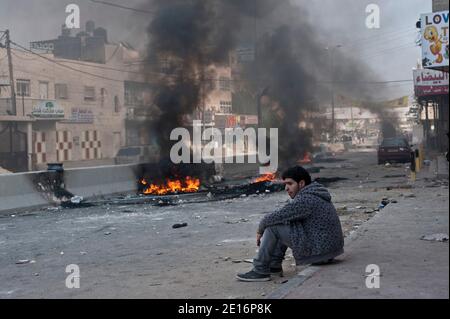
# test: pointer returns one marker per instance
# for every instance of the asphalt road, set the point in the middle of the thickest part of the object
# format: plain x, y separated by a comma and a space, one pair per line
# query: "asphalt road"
133, 252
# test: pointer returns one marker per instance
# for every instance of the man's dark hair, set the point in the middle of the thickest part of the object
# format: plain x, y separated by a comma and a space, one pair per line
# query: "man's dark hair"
297, 173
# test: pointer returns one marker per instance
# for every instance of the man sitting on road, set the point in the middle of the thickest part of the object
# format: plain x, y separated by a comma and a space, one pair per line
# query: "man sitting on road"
309, 225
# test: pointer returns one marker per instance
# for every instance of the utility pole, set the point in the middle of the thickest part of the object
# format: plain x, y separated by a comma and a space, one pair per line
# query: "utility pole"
11, 75
333, 122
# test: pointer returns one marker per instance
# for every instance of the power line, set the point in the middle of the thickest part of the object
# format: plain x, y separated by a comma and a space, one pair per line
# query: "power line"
382, 43
378, 37
164, 74
383, 52
122, 7
65, 66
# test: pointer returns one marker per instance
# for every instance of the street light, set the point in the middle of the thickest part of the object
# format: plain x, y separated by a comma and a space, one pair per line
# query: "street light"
333, 125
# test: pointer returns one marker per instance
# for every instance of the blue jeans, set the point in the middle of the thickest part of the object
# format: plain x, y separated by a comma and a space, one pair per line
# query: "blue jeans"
274, 243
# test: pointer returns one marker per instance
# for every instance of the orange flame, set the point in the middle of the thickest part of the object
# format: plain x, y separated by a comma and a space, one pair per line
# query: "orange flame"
306, 159
189, 185
265, 178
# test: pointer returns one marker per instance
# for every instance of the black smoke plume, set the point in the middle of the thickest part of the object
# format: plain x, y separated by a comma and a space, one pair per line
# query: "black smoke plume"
190, 36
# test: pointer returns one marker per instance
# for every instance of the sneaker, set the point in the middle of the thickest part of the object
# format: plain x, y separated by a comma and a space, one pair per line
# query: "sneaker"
252, 276
326, 262
276, 271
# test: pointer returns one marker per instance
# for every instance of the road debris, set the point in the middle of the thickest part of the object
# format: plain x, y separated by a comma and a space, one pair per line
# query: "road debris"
435, 237
179, 225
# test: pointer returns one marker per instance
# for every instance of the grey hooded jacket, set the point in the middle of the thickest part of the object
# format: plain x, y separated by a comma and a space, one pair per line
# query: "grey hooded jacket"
315, 230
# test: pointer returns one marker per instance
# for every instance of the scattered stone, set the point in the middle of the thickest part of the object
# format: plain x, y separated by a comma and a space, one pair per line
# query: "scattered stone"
23, 261
226, 258
435, 237
385, 202
263, 294
236, 261
179, 225
409, 196
107, 233
250, 261
159, 254
61, 253
83, 252
284, 281
393, 201
36, 274
360, 207
218, 244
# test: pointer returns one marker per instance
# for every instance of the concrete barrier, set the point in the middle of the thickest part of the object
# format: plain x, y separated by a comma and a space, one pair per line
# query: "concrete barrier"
18, 191
21, 190
103, 180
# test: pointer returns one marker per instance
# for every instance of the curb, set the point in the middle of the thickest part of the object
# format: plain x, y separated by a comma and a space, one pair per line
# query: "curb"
309, 271
293, 283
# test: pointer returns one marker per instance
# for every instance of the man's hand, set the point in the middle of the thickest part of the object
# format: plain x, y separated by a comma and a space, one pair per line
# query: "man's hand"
258, 239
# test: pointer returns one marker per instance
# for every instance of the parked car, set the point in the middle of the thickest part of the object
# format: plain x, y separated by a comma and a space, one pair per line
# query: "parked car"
137, 154
394, 149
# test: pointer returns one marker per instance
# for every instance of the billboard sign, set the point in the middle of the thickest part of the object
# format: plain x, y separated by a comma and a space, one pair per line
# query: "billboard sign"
48, 110
430, 82
434, 39
47, 46
81, 115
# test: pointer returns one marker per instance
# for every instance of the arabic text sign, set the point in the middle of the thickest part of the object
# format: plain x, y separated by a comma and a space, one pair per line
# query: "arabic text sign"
81, 115
430, 82
48, 110
434, 39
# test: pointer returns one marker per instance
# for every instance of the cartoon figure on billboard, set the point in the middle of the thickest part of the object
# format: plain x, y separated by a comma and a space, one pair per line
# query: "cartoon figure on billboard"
431, 34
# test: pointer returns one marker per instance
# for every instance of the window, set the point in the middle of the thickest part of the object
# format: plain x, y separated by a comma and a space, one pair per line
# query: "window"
135, 93
224, 84
61, 91
43, 90
116, 104
89, 93
23, 87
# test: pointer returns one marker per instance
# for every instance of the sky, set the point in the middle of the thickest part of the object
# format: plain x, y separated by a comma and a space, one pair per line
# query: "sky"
390, 50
